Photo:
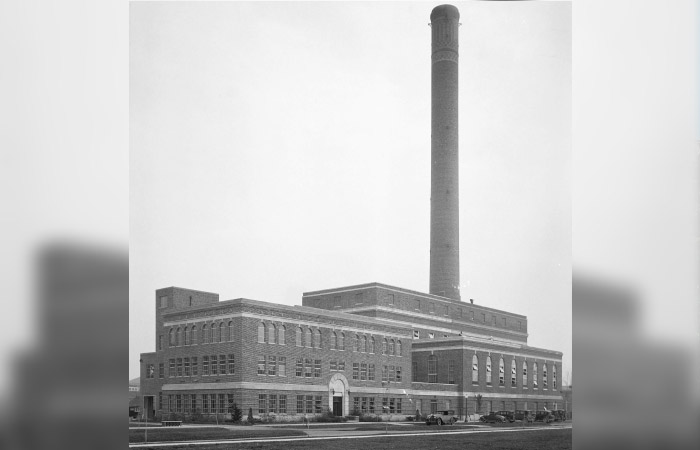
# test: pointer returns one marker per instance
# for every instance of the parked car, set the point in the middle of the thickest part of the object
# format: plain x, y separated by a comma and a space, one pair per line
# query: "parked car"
524, 415
559, 415
544, 416
509, 415
492, 417
441, 418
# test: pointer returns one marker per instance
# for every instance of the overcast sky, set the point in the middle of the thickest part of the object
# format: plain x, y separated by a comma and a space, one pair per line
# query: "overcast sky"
279, 148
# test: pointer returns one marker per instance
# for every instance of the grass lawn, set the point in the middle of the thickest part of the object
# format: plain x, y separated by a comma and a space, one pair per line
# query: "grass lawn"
527, 440
188, 434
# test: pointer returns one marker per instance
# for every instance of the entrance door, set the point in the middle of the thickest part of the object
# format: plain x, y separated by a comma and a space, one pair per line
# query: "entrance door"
148, 407
337, 406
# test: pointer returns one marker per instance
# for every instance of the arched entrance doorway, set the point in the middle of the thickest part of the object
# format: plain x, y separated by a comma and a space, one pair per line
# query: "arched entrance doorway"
338, 398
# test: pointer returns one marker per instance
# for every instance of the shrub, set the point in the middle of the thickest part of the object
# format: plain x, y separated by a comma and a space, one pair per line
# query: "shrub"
370, 418
328, 417
250, 416
236, 413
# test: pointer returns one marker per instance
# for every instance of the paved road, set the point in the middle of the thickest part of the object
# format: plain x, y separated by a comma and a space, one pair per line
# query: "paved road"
324, 433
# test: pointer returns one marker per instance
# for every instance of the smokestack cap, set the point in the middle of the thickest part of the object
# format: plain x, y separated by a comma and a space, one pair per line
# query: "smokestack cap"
444, 11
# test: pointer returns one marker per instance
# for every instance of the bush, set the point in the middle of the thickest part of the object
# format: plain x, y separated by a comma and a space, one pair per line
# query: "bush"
409, 418
328, 417
250, 416
370, 418
236, 413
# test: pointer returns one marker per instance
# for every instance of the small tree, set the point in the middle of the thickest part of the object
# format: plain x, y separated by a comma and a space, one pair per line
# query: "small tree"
236, 413
478, 403
417, 415
250, 416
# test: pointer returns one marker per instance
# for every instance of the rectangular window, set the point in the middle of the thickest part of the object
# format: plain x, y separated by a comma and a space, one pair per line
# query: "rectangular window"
195, 367
334, 366
363, 371
392, 374
356, 404
371, 405
178, 405
451, 372
363, 405
505, 323
150, 371
262, 403
282, 366
398, 406
307, 368
229, 399
205, 365
164, 302
214, 364
299, 368
493, 322
300, 404
231, 364
385, 374
283, 404
432, 369
318, 404
179, 367
272, 365
222, 364
391, 299
385, 405
483, 317
160, 342
370, 375
187, 367
341, 366
398, 374
309, 404
355, 371
414, 374
272, 403
261, 365
212, 400
160, 401
222, 403
317, 368
171, 402
392, 405
161, 370
205, 403
433, 406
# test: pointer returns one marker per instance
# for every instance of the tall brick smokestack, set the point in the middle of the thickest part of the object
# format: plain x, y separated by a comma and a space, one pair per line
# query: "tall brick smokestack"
444, 173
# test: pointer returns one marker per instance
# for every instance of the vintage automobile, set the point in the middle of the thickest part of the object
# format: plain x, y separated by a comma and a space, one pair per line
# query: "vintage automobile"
441, 418
559, 415
493, 417
509, 415
524, 415
544, 416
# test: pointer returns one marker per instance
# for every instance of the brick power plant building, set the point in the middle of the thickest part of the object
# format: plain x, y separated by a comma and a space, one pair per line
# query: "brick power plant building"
371, 348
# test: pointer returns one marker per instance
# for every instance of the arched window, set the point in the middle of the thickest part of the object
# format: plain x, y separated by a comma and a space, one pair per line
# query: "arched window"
178, 337
513, 373
475, 369
384, 346
307, 337
544, 375
356, 343
222, 327
501, 373
341, 341
186, 336
488, 370
171, 338
534, 375
205, 334
261, 333
398, 348
554, 376
298, 337
371, 344
317, 338
193, 335
391, 347
525, 374
432, 369
281, 335
334, 340
230, 330
363, 346
272, 334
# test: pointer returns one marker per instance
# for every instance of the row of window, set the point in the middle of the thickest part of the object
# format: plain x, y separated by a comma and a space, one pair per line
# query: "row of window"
390, 405
306, 337
272, 365
189, 367
191, 403
513, 373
